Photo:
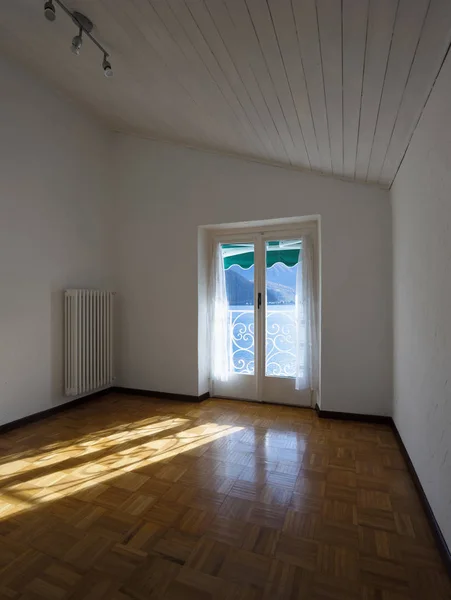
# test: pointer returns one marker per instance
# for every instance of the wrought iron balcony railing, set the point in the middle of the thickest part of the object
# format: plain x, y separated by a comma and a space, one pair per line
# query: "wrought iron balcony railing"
280, 340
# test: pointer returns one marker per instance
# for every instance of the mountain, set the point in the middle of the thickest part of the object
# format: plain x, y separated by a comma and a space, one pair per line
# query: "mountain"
240, 290
278, 273
280, 294
246, 273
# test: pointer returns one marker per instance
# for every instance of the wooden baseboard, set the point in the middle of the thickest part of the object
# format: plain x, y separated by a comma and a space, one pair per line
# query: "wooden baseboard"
52, 411
77, 401
345, 416
437, 532
166, 395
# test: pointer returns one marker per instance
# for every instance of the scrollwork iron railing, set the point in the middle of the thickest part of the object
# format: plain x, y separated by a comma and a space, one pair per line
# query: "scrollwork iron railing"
280, 341
241, 329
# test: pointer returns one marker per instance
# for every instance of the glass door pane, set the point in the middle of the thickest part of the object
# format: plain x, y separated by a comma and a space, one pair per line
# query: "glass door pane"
281, 259
239, 265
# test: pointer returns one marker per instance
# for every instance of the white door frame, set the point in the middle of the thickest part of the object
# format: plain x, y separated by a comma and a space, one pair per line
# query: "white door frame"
262, 388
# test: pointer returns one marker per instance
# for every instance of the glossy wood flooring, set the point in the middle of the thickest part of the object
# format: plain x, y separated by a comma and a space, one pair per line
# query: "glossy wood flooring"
128, 497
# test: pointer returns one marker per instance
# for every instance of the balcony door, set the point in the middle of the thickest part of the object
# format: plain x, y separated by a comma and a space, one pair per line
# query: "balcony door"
261, 270
241, 265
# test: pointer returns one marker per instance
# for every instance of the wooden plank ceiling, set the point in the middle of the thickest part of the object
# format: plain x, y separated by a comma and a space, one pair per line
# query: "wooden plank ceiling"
335, 86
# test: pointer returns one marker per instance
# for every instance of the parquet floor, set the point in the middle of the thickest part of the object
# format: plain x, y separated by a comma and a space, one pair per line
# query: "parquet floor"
128, 497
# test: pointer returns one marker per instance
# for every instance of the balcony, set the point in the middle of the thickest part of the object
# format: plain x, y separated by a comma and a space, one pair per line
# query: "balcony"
280, 340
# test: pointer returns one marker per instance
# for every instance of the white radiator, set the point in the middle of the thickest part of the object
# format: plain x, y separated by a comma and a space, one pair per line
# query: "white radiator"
88, 328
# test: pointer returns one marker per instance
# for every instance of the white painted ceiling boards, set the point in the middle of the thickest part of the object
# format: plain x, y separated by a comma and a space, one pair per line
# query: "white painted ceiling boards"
335, 86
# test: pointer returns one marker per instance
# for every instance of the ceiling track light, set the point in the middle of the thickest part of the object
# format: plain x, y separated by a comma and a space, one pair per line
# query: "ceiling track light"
85, 26
77, 42
49, 11
107, 70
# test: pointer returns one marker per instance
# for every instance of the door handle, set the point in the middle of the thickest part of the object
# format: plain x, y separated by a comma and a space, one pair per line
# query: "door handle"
259, 300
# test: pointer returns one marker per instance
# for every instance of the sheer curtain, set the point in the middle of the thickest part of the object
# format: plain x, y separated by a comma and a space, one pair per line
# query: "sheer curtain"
219, 342
306, 319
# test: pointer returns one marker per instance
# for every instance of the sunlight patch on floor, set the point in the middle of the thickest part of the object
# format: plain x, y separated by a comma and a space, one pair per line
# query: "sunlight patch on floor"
90, 443
23, 493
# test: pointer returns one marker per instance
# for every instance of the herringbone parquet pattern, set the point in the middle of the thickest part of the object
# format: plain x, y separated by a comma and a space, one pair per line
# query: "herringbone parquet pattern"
129, 497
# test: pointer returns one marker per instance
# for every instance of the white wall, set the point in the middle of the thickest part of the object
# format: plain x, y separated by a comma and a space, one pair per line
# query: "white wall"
54, 233
421, 199
165, 193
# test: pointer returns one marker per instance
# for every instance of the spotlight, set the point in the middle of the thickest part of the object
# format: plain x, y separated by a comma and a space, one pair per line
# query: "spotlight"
49, 10
107, 70
77, 42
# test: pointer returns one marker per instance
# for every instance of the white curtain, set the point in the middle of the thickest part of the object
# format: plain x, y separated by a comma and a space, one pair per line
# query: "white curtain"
219, 342
306, 319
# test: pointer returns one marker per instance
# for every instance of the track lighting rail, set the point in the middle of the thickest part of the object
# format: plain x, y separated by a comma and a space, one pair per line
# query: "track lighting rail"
84, 25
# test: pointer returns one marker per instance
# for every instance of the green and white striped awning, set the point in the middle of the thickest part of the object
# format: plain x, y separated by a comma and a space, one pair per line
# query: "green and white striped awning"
286, 252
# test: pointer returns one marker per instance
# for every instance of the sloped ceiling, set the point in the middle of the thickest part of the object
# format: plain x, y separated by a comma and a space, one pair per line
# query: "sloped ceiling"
335, 86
